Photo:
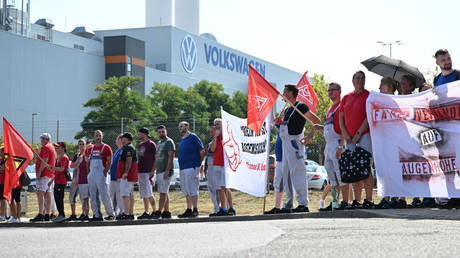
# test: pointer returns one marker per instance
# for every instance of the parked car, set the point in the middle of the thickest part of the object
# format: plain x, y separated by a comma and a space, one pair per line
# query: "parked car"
316, 175
33, 177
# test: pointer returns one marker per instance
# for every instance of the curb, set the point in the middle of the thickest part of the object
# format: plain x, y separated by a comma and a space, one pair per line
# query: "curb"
334, 214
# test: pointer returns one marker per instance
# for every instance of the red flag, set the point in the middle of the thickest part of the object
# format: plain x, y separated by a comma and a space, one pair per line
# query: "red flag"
261, 98
18, 155
307, 94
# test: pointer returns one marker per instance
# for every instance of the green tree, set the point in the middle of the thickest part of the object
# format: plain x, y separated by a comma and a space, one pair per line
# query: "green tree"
117, 100
318, 143
239, 102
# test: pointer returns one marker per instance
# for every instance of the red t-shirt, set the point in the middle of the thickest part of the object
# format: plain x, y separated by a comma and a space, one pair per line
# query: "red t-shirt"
219, 152
128, 151
354, 108
60, 176
106, 153
147, 152
335, 117
47, 152
82, 170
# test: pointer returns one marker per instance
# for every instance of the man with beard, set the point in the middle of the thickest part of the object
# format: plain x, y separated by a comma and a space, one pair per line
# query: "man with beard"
447, 74
164, 169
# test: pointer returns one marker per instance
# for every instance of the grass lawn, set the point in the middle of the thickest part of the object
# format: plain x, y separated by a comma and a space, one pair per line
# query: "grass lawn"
243, 203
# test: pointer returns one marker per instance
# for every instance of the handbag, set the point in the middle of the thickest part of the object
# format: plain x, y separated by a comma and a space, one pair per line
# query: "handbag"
24, 179
355, 165
67, 176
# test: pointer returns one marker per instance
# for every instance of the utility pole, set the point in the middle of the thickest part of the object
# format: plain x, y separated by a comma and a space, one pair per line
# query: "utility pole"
57, 131
33, 122
122, 125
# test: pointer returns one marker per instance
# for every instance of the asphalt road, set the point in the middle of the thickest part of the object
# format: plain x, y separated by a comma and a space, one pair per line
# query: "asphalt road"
274, 238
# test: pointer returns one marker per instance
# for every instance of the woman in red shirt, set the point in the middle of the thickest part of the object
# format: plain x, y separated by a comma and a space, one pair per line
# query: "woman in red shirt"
60, 179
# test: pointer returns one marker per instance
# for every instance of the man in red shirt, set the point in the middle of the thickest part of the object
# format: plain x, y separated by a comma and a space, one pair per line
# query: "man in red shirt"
225, 195
146, 170
100, 159
355, 129
60, 179
45, 175
127, 175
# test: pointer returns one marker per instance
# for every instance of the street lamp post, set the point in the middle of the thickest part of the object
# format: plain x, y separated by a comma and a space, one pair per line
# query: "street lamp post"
33, 116
397, 42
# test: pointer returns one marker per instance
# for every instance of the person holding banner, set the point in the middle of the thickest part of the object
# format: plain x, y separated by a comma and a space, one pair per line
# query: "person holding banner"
334, 147
47, 156
355, 130
191, 154
210, 175
293, 139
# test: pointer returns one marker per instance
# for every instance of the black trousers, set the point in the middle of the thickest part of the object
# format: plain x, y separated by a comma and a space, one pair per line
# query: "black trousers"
59, 198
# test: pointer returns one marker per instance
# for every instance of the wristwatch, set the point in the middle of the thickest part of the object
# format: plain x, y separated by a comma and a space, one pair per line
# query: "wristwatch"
358, 132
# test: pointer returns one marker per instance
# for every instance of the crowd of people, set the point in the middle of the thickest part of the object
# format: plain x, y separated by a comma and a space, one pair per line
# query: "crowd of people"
99, 174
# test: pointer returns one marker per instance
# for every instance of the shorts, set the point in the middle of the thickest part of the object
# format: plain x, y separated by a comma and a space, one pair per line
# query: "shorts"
126, 188
278, 178
220, 176
42, 185
16, 194
189, 181
163, 184
1, 191
83, 189
145, 187
73, 194
331, 164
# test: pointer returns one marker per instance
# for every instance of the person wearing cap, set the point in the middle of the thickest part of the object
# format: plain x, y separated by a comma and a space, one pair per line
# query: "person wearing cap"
100, 159
47, 156
164, 168
114, 187
60, 179
191, 155
146, 171
127, 175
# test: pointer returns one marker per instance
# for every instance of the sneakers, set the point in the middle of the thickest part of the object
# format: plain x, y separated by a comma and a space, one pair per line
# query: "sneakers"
59, 219
111, 217
119, 216
38, 218
301, 208
368, 204
428, 203
355, 205
393, 203
47, 217
213, 214
155, 215
401, 204
2, 218
72, 218
273, 211
52, 217
321, 204
95, 219
383, 204
195, 213
222, 212
11, 220
343, 205
231, 211
82, 217
166, 215
328, 208
186, 214
144, 215
286, 210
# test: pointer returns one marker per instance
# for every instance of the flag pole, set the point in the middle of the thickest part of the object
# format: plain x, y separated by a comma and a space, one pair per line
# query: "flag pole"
267, 169
295, 108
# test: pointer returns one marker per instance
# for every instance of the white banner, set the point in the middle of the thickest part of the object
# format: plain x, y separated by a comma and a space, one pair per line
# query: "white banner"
415, 142
245, 154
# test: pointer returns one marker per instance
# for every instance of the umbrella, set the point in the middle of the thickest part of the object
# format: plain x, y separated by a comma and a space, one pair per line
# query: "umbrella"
394, 68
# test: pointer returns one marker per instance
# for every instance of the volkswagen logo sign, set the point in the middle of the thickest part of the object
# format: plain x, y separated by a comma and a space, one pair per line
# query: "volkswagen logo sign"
188, 53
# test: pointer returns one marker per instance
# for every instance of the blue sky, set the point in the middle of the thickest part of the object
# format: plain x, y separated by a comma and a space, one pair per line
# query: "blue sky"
326, 37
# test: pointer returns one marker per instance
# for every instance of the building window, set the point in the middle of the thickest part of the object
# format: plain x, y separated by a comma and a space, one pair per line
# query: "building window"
161, 67
128, 66
80, 47
41, 37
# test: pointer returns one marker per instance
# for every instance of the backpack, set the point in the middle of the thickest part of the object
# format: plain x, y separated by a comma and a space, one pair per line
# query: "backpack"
456, 73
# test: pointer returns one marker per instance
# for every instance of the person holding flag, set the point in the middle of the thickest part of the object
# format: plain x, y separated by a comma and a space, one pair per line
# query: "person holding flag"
2, 185
293, 139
